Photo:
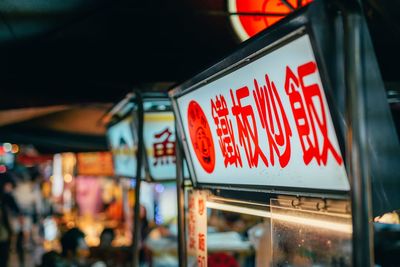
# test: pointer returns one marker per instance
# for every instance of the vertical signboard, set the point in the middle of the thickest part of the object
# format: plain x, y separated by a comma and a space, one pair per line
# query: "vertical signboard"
197, 227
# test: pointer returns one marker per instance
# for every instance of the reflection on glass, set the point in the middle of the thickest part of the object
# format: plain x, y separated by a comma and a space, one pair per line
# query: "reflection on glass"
236, 239
305, 238
161, 243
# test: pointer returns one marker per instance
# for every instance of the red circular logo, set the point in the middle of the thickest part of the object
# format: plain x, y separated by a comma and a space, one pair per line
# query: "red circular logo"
200, 136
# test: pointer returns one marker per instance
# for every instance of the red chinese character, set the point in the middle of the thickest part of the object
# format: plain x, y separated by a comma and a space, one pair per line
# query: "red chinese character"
201, 206
192, 243
229, 149
191, 203
202, 242
201, 261
274, 121
192, 228
192, 216
247, 128
309, 111
164, 149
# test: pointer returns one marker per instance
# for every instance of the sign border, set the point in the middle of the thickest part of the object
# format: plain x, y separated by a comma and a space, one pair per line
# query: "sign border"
130, 114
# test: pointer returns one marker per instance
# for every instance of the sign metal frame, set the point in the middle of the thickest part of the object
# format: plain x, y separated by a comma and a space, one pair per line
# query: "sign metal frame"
146, 162
130, 114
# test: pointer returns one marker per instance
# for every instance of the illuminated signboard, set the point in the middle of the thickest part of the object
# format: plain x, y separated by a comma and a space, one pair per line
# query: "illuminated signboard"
250, 17
264, 124
159, 140
197, 227
123, 143
95, 163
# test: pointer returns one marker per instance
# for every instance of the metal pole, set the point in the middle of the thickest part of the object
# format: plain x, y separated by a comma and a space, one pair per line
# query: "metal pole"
180, 191
356, 140
139, 156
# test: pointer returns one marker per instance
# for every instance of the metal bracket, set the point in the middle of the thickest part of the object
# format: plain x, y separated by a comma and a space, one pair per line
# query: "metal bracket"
315, 204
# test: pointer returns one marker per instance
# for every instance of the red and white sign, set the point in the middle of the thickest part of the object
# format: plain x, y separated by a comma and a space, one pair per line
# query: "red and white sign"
197, 227
250, 17
159, 141
267, 123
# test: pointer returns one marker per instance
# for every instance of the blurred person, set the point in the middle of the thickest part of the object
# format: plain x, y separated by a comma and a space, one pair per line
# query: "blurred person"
47, 231
105, 255
28, 197
144, 253
235, 222
162, 243
144, 223
7, 206
52, 259
38, 207
74, 248
106, 238
104, 252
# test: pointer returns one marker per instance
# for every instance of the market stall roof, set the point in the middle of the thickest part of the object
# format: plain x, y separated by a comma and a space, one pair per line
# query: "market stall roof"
56, 128
62, 52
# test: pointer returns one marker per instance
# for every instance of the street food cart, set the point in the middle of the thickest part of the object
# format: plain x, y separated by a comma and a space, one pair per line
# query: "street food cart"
293, 130
154, 121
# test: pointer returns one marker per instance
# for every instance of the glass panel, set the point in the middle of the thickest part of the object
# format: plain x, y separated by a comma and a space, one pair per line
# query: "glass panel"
308, 238
236, 239
161, 244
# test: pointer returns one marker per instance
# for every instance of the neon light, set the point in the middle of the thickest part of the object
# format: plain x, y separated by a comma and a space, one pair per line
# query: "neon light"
250, 17
7, 147
3, 169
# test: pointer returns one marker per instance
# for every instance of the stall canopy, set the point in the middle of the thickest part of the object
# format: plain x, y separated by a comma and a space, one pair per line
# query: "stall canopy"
56, 128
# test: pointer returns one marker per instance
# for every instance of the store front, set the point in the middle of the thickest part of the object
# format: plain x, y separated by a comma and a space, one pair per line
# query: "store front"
151, 117
277, 137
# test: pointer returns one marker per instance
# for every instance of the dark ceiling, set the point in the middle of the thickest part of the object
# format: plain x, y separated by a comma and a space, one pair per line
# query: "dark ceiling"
58, 52
72, 52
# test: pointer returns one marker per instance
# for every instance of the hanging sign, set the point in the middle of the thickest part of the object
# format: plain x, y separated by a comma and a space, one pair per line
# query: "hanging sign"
123, 143
266, 123
159, 139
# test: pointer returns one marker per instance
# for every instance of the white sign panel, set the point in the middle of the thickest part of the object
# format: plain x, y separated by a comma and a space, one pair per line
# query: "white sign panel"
123, 145
159, 140
266, 123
